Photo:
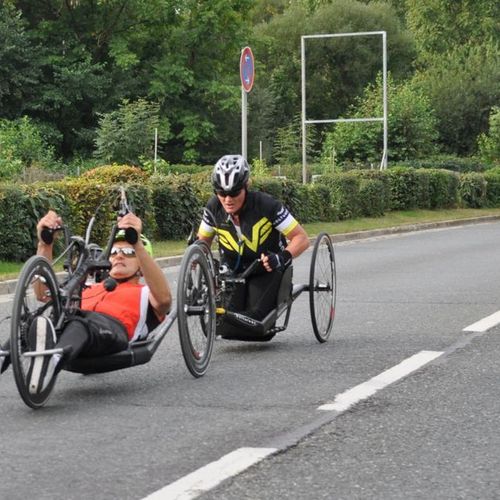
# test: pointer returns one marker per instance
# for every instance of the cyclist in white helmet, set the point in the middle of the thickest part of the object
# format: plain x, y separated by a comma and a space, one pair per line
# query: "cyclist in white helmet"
250, 225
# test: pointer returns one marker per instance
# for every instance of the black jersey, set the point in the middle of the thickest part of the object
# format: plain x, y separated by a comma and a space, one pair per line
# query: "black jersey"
264, 224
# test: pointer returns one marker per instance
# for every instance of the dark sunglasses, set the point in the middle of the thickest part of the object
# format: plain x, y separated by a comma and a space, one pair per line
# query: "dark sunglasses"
125, 251
232, 194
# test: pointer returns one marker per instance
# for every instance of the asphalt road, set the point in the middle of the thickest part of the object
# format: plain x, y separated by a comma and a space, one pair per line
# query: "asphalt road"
433, 434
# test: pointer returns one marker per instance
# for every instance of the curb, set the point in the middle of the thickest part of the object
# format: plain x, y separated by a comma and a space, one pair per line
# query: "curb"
9, 286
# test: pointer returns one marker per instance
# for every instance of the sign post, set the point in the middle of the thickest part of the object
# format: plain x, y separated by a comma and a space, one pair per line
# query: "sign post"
247, 75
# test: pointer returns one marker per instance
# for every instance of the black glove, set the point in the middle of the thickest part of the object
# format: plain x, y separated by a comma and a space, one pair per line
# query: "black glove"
280, 260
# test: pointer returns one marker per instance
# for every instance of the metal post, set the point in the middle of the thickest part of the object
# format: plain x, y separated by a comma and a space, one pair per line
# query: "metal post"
383, 166
303, 86
244, 123
156, 149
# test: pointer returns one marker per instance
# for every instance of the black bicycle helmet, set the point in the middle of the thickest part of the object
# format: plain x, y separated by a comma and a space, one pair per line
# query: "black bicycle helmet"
230, 173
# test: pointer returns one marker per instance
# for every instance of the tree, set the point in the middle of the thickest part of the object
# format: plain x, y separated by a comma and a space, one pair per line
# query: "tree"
337, 69
462, 86
126, 134
23, 146
440, 27
19, 69
411, 124
489, 143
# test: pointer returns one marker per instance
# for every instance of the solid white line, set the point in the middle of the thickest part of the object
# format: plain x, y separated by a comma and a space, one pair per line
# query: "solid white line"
484, 324
362, 391
209, 476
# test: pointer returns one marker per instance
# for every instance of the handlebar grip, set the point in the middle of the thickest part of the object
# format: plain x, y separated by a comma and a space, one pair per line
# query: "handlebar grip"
131, 235
47, 234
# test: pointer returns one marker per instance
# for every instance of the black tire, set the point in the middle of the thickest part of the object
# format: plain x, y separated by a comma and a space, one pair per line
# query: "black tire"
322, 287
196, 310
26, 307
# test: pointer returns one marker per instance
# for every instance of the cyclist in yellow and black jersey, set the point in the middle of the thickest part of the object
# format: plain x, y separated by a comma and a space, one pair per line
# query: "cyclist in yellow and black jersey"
250, 225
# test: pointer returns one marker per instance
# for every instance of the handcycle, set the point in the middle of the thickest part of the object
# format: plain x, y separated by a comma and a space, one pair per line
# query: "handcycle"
322, 288
39, 291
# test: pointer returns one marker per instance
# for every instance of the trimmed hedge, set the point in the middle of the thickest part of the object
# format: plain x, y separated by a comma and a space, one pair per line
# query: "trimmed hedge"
472, 190
170, 204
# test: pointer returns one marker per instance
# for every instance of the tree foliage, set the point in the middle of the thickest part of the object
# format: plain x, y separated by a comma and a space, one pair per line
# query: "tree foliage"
68, 63
127, 134
411, 127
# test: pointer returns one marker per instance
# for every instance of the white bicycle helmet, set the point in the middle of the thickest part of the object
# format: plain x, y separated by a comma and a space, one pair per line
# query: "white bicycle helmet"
230, 173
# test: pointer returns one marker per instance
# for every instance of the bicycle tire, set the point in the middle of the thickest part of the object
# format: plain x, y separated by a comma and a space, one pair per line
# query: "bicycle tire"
26, 307
196, 310
322, 287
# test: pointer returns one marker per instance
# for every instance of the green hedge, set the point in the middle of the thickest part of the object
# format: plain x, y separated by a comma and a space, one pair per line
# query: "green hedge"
170, 204
472, 190
176, 206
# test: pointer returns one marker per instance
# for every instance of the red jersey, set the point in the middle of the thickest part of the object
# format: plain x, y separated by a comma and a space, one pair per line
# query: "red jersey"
128, 302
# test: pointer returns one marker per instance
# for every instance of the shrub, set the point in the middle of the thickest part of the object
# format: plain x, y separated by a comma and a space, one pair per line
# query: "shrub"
176, 206
472, 190
443, 188
403, 188
344, 194
492, 178
115, 174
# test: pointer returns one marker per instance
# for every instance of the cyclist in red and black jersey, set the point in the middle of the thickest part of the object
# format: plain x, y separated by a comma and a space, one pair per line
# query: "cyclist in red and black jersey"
113, 313
250, 225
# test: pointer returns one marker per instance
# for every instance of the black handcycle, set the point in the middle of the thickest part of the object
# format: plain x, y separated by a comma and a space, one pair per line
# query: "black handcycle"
322, 288
42, 291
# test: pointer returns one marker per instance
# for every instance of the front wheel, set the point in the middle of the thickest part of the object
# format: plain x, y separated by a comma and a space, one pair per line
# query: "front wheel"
37, 294
322, 287
196, 310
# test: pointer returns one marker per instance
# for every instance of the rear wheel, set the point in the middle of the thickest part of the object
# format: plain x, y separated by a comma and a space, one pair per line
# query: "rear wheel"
322, 287
196, 310
37, 294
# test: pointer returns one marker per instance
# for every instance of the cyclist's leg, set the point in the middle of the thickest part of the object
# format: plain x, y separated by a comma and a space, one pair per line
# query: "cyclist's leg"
261, 297
92, 334
262, 293
5, 358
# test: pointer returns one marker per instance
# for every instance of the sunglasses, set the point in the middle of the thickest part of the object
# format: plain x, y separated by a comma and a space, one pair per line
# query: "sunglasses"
125, 251
232, 194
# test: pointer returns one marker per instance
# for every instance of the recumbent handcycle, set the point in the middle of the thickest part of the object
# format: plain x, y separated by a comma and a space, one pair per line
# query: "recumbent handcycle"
62, 297
199, 262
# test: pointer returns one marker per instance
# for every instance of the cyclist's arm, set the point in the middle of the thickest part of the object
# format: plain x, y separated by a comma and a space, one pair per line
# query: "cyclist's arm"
50, 220
160, 296
208, 240
298, 241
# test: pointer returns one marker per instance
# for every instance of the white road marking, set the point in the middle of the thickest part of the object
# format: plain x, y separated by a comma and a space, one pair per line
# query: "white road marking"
209, 476
362, 391
5, 299
484, 324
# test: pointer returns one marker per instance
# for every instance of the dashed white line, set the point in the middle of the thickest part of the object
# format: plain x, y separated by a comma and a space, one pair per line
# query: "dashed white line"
484, 324
362, 391
211, 475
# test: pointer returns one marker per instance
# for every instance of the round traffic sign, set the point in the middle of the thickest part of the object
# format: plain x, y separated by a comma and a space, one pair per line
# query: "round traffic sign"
247, 69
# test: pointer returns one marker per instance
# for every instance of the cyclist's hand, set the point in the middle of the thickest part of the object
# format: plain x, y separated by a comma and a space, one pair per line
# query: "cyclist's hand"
280, 260
130, 220
49, 221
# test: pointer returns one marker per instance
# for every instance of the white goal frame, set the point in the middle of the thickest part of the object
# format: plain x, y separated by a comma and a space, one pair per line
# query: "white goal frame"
305, 121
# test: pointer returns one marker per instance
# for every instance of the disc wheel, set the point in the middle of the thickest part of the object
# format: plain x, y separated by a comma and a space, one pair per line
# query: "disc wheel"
37, 294
322, 287
196, 310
